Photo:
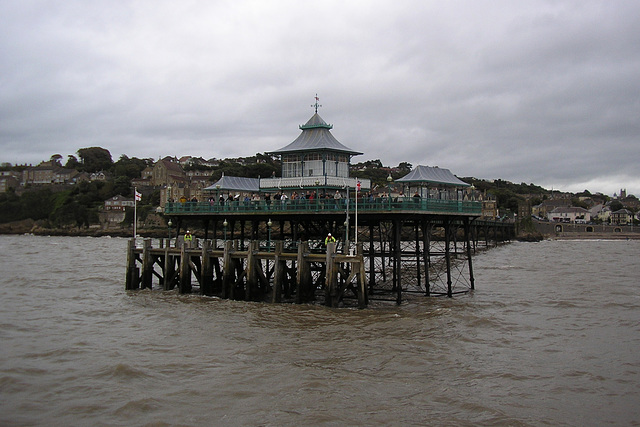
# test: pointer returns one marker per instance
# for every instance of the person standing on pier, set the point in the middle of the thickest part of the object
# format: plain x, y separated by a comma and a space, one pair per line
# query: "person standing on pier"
337, 198
329, 239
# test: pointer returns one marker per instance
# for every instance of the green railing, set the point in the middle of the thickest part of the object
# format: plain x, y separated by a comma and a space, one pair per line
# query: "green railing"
328, 206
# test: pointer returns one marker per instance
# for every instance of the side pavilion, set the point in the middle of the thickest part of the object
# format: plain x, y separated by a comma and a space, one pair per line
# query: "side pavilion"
433, 182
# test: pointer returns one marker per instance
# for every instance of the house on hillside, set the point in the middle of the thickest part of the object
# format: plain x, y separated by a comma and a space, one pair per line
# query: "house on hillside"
41, 174
115, 210
7, 182
118, 203
168, 172
543, 209
569, 214
49, 173
98, 176
621, 217
489, 206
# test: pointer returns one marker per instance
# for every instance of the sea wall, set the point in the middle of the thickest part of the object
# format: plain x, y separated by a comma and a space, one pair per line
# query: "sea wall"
559, 230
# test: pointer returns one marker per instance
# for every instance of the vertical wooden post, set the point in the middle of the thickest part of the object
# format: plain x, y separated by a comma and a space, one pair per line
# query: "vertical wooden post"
131, 281
169, 268
251, 293
303, 275
206, 269
147, 264
185, 271
228, 276
279, 272
206, 229
242, 244
331, 277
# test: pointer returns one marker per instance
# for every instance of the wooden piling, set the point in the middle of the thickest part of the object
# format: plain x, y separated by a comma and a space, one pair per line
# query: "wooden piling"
331, 277
185, 271
132, 281
206, 269
228, 271
147, 264
251, 291
279, 273
304, 290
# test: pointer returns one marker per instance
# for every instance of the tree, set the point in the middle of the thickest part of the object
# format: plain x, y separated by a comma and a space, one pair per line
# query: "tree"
130, 167
122, 186
37, 204
404, 167
10, 209
615, 205
72, 162
55, 159
95, 159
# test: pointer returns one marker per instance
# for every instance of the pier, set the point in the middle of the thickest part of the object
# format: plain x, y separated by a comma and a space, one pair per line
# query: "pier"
281, 256
264, 238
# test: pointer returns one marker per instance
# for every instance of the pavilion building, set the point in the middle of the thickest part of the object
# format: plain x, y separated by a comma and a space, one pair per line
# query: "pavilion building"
315, 160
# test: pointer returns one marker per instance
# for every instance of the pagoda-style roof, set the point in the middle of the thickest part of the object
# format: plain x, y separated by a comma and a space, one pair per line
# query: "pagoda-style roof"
315, 136
432, 175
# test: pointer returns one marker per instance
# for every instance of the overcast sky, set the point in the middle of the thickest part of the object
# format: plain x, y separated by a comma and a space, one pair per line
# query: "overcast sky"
544, 92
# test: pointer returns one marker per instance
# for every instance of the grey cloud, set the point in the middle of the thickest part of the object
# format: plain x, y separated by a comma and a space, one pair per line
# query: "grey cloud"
542, 91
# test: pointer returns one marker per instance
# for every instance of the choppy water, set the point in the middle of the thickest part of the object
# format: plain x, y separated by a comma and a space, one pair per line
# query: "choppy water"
551, 336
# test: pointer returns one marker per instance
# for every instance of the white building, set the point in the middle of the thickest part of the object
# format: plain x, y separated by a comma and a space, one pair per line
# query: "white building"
569, 214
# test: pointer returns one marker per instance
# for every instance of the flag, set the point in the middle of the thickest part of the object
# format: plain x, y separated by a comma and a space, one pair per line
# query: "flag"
138, 196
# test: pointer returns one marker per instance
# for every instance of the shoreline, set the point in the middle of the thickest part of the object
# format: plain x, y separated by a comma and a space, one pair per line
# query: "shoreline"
32, 227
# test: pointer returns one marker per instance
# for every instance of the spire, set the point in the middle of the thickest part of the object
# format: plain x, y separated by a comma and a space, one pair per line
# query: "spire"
316, 105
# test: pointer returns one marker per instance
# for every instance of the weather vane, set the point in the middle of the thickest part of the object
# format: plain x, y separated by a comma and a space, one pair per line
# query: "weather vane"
316, 105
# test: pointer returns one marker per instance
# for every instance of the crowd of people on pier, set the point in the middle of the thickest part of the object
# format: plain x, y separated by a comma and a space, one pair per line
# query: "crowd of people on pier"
329, 199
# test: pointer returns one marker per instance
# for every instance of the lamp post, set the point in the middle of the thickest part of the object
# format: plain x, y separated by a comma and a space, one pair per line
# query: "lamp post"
317, 198
389, 181
217, 194
169, 224
269, 224
224, 224
346, 234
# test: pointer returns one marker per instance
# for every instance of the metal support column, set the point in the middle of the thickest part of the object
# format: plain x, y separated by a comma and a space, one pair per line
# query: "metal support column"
467, 239
447, 254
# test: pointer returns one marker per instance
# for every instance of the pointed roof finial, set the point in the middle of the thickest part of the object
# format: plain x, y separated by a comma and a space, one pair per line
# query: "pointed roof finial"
316, 105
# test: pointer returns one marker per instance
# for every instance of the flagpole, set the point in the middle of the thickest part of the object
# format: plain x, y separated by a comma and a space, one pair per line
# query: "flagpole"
135, 211
357, 191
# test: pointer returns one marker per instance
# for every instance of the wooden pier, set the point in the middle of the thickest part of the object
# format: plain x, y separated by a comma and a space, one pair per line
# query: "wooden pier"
404, 255
297, 275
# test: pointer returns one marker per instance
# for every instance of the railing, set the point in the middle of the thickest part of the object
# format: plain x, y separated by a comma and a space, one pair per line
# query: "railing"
328, 206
